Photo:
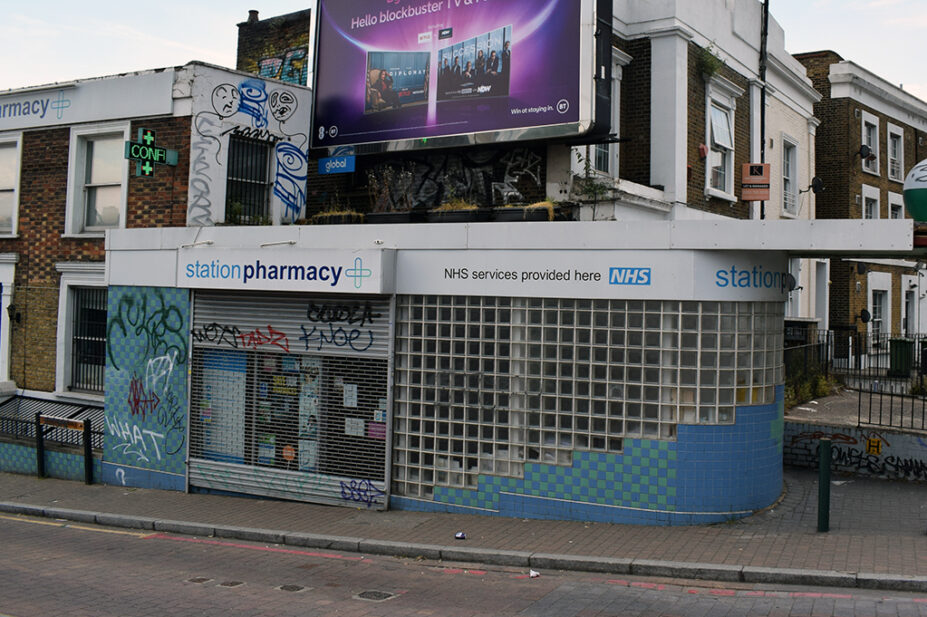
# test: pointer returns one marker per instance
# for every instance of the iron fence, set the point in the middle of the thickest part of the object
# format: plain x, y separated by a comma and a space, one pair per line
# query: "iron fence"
889, 373
17, 420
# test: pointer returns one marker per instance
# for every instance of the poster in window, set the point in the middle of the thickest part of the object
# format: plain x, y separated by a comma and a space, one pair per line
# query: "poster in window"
267, 446
309, 414
308, 455
221, 407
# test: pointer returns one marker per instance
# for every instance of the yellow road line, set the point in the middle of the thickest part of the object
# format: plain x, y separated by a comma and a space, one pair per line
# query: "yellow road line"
72, 526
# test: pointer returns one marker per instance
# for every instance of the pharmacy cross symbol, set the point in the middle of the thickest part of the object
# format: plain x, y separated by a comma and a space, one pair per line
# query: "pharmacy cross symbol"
358, 272
60, 104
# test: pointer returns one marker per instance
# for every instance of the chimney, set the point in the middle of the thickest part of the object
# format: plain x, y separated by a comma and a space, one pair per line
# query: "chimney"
252, 16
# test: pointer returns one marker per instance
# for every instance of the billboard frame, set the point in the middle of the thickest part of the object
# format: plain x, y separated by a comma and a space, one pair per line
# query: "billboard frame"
585, 123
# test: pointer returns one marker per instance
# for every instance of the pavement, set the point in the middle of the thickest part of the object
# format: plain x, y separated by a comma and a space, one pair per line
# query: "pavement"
876, 540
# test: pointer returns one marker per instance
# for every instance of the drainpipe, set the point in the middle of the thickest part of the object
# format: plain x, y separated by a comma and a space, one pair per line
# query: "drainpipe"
764, 34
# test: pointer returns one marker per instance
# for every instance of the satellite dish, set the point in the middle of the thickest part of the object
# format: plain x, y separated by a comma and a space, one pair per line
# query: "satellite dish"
864, 151
817, 185
865, 316
861, 268
790, 281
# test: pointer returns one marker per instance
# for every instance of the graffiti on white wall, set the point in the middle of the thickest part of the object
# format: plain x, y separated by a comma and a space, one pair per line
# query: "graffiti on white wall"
227, 104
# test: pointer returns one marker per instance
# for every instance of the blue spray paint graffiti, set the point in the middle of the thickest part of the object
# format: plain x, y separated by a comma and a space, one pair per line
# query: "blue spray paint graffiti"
254, 101
290, 182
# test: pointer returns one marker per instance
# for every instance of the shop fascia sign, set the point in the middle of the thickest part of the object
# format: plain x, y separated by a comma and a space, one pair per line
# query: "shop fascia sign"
641, 274
276, 269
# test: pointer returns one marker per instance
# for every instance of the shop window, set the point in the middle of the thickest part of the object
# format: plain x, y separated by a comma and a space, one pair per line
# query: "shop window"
97, 179
88, 340
513, 380
248, 183
9, 183
290, 412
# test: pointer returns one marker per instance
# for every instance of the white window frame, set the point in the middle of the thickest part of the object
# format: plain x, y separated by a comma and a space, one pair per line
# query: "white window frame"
74, 212
73, 274
895, 203
793, 304
722, 94
866, 120
870, 193
877, 311
895, 163
610, 150
880, 282
789, 175
5, 141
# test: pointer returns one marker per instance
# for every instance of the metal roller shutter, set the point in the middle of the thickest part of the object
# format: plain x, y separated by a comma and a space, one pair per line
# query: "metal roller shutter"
290, 396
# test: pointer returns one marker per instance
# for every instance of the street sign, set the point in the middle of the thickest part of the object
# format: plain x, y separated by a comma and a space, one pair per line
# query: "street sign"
755, 182
76, 425
146, 154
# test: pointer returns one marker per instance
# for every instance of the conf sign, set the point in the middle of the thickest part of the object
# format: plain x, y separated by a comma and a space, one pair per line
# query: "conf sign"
146, 154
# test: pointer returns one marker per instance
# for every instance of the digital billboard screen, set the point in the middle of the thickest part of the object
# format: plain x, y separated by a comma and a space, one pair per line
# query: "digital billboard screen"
431, 73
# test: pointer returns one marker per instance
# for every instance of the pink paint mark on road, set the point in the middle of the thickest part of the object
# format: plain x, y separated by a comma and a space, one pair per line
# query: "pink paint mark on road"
267, 549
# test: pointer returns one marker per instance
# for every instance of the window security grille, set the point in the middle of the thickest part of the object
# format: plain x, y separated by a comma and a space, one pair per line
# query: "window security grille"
484, 385
313, 416
88, 339
248, 184
289, 396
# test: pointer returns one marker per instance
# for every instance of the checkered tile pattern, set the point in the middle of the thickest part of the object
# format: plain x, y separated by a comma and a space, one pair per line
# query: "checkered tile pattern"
709, 474
144, 324
15, 458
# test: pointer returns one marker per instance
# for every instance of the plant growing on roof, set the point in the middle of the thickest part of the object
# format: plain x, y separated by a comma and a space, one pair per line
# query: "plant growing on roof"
708, 61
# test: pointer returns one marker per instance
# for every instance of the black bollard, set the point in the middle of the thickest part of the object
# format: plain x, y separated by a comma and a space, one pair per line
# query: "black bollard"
824, 450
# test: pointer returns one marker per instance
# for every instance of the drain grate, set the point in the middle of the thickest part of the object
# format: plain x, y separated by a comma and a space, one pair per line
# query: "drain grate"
231, 584
199, 580
374, 596
293, 588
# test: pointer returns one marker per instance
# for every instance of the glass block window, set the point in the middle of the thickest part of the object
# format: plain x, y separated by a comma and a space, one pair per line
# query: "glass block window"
486, 384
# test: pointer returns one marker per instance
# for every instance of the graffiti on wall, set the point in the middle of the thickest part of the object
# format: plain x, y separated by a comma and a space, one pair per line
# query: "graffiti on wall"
327, 326
865, 452
291, 66
255, 109
479, 177
145, 405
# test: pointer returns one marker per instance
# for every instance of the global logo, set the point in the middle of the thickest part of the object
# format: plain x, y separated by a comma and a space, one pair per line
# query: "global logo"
335, 164
629, 276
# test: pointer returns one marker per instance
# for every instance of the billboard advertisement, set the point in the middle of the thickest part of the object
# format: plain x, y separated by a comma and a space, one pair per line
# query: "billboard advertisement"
436, 73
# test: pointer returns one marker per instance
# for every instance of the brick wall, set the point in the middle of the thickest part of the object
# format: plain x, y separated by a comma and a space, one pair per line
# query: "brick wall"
837, 163
697, 135
634, 153
277, 47
152, 202
161, 201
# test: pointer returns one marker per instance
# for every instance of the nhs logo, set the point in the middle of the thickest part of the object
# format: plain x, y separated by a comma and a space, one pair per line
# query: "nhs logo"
629, 276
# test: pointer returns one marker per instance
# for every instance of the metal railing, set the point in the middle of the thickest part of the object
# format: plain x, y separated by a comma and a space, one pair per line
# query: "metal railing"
889, 373
17, 420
